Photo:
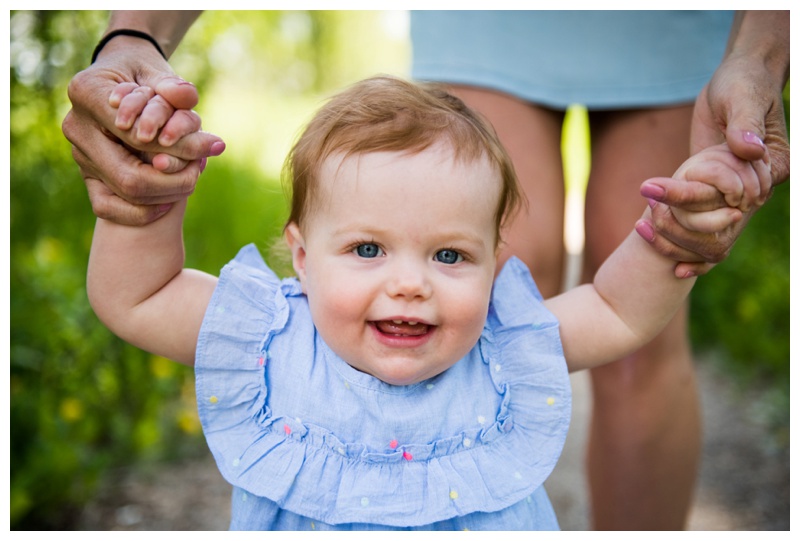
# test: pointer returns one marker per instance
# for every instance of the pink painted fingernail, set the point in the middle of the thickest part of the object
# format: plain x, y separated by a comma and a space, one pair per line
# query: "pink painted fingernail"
645, 230
164, 208
652, 202
753, 138
690, 274
217, 148
203, 163
653, 191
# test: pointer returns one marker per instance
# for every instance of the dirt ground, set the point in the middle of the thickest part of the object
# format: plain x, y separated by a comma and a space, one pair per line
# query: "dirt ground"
743, 482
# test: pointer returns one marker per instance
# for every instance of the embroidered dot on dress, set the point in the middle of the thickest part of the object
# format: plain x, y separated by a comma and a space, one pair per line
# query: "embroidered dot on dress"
213, 400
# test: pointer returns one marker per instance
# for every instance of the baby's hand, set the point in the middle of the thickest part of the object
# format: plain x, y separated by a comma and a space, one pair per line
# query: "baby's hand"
141, 109
697, 215
743, 184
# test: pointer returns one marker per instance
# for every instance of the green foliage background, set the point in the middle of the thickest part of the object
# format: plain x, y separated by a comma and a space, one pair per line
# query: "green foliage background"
82, 401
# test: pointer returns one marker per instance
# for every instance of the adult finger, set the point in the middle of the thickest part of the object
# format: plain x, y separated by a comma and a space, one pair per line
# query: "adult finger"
664, 245
109, 206
129, 177
688, 195
709, 247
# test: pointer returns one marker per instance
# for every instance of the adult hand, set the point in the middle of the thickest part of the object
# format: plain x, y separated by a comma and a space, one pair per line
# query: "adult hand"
743, 102
741, 105
123, 185
697, 250
698, 214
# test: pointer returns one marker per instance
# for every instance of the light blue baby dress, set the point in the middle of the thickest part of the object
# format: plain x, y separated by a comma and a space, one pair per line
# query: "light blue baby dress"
309, 443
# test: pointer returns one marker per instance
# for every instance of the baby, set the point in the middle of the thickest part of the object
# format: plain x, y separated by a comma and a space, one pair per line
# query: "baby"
396, 382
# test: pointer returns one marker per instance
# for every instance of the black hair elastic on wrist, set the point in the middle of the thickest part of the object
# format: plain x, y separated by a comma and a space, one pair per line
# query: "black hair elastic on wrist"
126, 32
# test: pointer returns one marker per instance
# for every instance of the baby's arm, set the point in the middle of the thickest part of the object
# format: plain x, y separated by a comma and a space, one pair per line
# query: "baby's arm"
139, 289
635, 292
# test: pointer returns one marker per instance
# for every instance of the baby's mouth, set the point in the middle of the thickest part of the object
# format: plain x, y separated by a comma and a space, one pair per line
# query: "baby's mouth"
402, 328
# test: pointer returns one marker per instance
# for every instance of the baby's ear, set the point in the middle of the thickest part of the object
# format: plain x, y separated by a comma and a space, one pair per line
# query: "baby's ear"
298, 247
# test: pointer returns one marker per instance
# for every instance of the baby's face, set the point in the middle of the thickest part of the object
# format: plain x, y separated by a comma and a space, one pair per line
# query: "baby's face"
397, 259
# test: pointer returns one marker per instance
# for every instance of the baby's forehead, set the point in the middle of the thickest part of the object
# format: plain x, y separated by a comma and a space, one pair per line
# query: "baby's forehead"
434, 178
441, 156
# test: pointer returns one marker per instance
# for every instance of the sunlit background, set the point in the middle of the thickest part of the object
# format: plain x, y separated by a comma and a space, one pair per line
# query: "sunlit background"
84, 403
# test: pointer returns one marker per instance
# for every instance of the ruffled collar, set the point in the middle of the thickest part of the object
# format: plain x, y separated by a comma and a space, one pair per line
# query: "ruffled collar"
299, 426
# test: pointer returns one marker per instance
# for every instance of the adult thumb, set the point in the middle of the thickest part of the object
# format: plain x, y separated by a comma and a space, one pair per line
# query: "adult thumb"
745, 132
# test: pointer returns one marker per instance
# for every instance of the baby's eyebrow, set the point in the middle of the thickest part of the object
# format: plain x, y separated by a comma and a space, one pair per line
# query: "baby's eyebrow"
361, 229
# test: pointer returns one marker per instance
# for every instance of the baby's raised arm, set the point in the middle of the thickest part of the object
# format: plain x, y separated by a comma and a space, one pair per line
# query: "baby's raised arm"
635, 293
139, 289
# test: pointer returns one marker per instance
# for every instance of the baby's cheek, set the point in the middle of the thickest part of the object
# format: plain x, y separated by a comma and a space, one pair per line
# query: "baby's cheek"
469, 312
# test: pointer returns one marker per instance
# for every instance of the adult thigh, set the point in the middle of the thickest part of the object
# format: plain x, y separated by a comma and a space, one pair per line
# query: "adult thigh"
532, 137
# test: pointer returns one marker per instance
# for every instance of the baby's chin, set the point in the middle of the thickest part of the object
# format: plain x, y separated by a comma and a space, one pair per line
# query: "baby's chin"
401, 374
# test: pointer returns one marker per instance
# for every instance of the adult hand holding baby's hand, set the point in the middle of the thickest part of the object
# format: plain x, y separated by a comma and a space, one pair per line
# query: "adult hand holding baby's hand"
697, 216
114, 162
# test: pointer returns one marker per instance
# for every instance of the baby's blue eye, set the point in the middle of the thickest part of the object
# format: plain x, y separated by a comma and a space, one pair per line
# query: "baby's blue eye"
368, 250
448, 257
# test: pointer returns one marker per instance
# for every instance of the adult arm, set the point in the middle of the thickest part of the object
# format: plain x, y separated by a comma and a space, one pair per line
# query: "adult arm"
742, 105
743, 102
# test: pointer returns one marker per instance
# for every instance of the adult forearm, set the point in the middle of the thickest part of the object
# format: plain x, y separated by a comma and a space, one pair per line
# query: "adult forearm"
763, 35
167, 27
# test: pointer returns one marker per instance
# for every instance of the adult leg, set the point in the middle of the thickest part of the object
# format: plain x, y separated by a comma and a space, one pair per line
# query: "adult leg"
644, 440
532, 137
